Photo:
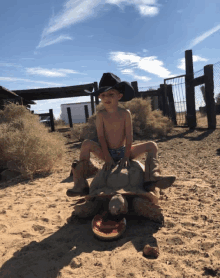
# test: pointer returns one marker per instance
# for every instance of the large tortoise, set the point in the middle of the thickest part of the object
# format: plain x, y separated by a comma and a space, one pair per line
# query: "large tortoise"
120, 190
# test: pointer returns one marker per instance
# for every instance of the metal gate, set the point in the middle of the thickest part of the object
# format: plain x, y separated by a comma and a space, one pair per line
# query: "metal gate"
179, 96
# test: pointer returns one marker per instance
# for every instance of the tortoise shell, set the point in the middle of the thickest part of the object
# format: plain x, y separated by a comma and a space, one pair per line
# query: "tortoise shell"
126, 181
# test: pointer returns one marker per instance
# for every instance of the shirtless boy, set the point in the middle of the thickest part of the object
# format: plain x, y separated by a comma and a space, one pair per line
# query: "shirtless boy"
115, 136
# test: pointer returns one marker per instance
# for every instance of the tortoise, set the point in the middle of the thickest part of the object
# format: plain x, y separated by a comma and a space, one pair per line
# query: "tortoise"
116, 192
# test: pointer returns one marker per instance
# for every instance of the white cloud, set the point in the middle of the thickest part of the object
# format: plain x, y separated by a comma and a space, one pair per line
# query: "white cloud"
204, 36
196, 58
49, 41
147, 10
135, 76
50, 72
75, 11
149, 64
15, 79
136, 2
3, 64
145, 7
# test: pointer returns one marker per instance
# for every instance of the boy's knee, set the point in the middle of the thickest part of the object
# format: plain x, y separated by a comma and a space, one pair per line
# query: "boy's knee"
153, 145
86, 143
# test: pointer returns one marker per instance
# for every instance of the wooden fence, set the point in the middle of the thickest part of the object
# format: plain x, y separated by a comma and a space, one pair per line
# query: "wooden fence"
162, 98
50, 114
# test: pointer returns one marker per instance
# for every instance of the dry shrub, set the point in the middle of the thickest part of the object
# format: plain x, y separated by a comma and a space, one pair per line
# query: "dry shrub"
76, 131
146, 123
25, 141
59, 123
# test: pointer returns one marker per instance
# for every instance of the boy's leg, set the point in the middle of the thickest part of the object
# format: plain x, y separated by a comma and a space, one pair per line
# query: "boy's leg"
152, 171
137, 150
90, 146
80, 168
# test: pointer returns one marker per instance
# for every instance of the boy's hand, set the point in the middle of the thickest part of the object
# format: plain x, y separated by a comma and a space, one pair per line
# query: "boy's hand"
125, 162
109, 162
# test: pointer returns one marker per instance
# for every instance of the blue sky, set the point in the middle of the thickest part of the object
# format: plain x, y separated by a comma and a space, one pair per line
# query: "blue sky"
65, 43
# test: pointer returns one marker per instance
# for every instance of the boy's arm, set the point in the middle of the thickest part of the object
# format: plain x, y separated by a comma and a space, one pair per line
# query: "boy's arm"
128, 133
101, 136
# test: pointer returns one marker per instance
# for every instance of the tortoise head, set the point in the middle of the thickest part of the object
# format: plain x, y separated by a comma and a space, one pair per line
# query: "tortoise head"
118, 205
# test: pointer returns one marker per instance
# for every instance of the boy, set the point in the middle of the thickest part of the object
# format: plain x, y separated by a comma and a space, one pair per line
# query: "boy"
115, 136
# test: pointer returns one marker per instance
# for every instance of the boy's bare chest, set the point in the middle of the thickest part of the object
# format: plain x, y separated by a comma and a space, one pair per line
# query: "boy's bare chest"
114, 123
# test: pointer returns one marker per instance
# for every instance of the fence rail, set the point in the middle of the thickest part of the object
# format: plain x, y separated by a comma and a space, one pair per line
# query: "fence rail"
184, 98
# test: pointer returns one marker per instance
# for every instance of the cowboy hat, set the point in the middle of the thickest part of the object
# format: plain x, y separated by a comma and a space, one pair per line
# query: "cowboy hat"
110, 81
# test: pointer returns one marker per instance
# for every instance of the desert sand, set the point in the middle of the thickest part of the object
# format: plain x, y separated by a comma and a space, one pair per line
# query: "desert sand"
37, 241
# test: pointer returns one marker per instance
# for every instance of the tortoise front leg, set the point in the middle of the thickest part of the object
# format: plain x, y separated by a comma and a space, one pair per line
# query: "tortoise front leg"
146, 208
87, 209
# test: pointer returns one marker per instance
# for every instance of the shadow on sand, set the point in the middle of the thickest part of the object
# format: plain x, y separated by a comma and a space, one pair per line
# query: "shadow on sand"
47, 257
194, 137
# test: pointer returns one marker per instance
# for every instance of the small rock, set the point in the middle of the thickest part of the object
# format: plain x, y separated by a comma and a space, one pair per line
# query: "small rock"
150, 251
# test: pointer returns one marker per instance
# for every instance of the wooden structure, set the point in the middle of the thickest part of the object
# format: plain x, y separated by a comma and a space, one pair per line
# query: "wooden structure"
50, 114
162, 98
190, 83
7, 96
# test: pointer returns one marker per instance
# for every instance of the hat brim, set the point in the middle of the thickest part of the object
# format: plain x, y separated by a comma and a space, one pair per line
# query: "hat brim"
123, 87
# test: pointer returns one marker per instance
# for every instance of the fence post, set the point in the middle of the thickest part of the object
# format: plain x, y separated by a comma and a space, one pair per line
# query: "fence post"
160, 99
154, 102
164, 98
86, 112
209, 95
69, 116
134, 84
92, 104
190, 90
171, 103
96, 87
51, 119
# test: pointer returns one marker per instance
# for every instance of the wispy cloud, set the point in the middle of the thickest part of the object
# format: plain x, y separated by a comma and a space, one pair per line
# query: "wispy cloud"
45, 41
132, 73
15, 79
133, 61
196, 58
51, 72
204, 36
145, 7
3, 64
75, 11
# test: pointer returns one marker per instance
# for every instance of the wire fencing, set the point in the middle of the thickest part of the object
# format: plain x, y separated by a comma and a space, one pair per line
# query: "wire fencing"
179, 95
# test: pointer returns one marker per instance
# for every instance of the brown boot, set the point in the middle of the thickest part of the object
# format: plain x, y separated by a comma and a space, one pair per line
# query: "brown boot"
81, 186
91, 171
153, 178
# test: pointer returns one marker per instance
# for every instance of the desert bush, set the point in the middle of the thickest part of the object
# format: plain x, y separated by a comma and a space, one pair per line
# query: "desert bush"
27, 142
60, 123
146, 123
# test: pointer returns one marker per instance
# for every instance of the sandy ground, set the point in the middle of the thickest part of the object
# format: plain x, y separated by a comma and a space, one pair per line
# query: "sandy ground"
37, 241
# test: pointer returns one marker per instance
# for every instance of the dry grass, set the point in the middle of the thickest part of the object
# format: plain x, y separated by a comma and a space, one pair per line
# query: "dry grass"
27, 142
146, 123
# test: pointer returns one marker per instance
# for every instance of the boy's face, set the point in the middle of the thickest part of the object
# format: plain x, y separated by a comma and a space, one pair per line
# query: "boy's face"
110, 98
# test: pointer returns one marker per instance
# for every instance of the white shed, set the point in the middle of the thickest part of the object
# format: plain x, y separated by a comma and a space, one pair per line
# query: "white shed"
77, 112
